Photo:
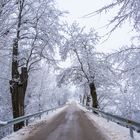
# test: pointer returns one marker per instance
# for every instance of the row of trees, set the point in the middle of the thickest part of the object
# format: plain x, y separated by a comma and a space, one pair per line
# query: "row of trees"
112, 80
88, 66
116, 73
31, 33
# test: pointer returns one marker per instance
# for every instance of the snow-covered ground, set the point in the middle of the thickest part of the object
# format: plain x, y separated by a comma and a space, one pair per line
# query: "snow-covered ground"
23, 133
112, 130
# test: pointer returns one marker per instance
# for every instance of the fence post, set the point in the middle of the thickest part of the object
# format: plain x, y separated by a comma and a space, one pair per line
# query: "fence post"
1, 130
108, 119
47, 112
131, 132
40, 116
26, 122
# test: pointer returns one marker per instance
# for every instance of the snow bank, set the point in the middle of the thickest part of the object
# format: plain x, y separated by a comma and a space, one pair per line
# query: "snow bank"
111, 129
23, 133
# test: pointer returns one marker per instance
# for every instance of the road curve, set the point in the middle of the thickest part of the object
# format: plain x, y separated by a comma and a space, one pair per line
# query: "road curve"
71, 124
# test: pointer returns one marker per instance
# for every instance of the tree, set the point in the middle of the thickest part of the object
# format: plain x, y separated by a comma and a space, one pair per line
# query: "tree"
126, 59
44, 93
88, 66
127, 65
32, 32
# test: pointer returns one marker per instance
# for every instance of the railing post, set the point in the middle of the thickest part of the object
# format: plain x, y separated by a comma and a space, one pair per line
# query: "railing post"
40, 116
1, 130
131, 132
26, 122
108, 119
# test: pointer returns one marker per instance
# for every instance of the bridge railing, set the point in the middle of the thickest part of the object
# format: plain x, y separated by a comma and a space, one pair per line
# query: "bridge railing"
25, 119
132, 125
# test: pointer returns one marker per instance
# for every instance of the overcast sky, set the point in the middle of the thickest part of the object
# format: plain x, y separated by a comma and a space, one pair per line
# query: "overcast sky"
78, 8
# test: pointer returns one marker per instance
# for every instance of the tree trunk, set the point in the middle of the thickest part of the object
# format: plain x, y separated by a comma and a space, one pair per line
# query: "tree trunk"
18, 83
22, 90
14, 83
18, 90
18, 86
93, 95
88, 100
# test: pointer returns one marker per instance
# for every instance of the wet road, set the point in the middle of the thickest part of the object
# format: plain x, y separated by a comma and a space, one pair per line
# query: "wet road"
71, 124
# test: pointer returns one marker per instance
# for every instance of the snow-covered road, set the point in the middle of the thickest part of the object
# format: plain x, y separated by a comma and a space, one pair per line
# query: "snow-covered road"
71, 124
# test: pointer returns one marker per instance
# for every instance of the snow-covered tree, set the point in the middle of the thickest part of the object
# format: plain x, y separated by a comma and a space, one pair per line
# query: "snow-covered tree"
88, 66
44, 93
126, 62
30, 32
127, 10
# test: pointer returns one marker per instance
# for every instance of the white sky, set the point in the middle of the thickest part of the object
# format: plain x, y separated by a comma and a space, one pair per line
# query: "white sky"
78, 8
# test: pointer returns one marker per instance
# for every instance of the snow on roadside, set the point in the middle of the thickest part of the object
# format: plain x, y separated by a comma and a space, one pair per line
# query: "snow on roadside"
23, 133
111, 129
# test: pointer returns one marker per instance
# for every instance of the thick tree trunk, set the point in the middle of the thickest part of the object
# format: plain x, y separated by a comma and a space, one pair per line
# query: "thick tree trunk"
18, 90
18, 83
18, 86
22, 90
93, 95
14, 83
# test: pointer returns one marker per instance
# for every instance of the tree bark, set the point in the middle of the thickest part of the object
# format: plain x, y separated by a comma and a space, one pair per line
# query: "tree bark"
18, 86
93, 94
18, 83
14, 83
22, 90
18, 90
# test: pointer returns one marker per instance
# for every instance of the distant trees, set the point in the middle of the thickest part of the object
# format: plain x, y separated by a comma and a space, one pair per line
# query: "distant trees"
44, 93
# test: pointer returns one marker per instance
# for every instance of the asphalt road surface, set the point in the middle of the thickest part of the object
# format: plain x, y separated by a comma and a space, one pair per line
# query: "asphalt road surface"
71, 124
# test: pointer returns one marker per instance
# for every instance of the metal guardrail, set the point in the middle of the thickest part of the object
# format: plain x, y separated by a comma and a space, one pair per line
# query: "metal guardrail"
132, 125
25, 118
